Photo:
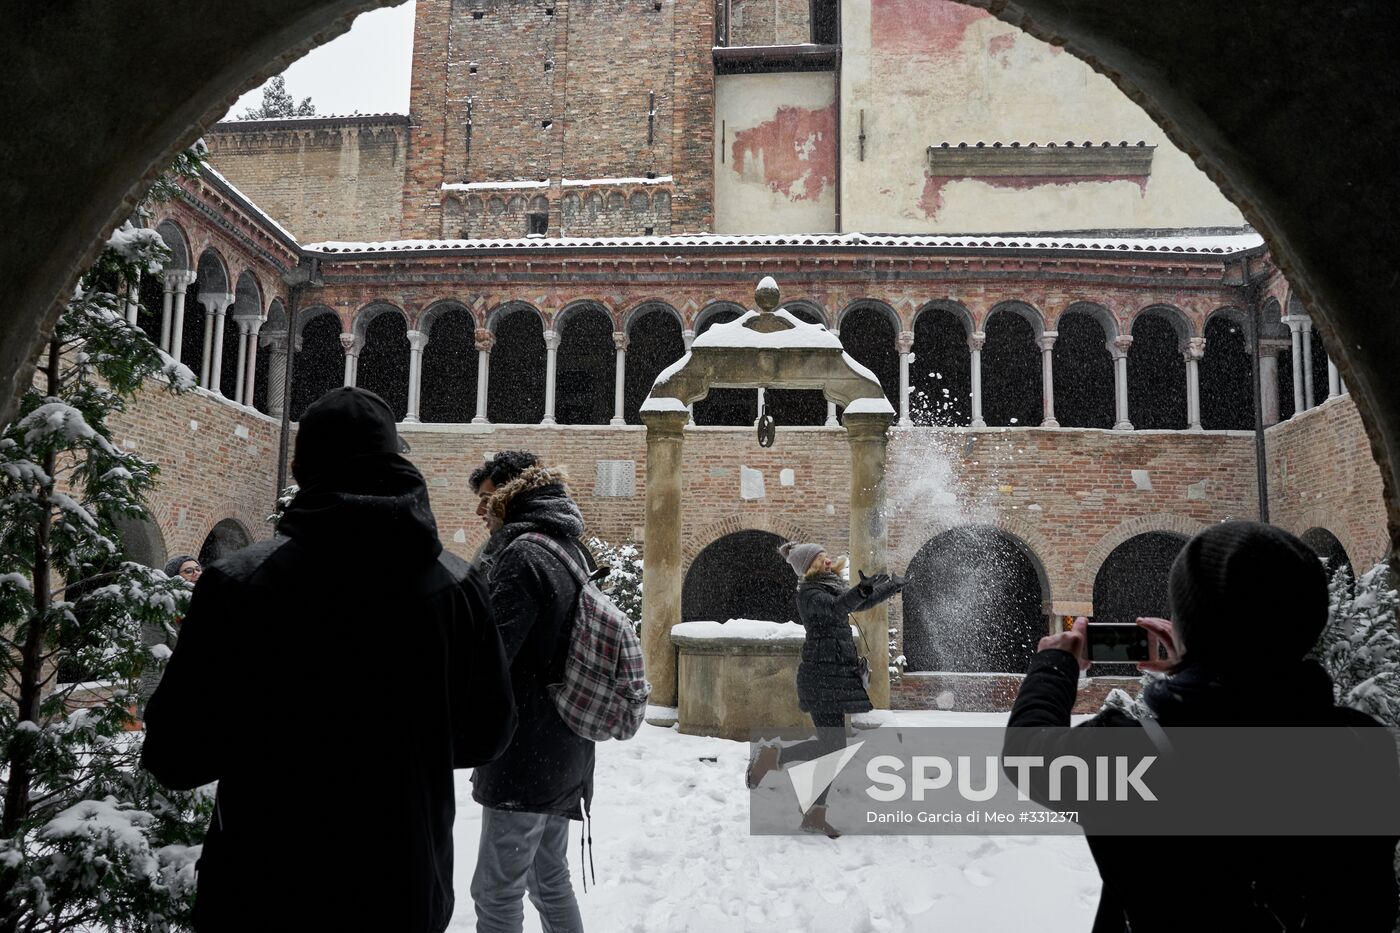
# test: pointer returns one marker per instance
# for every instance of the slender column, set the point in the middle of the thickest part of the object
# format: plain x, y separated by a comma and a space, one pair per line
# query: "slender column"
904, 343
240, 371
183, 278
250, 375
167, 301
868, 438
276, 371
1118, 349
216, 360
1334, 379
1295, 332
620, 378
551, 364
831, 421
1309, 395
975, 342
1268, 379
211, 362
485, 340
351, 345
417, 340
133, 299
661, 606
687, 338
758, 412
1047, 378
1194, 352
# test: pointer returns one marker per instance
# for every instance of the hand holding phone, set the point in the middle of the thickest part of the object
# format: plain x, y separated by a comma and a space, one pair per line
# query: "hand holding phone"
1118, 642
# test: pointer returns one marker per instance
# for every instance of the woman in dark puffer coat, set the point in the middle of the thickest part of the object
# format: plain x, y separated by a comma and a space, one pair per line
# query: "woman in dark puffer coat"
829, 681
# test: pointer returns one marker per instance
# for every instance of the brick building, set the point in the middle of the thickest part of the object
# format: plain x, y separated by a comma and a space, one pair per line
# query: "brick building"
1059, 306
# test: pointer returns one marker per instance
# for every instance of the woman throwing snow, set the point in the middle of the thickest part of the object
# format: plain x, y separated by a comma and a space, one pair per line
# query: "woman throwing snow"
832, 678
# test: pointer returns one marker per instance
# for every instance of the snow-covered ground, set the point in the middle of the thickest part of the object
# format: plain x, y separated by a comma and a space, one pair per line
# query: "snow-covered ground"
673, 855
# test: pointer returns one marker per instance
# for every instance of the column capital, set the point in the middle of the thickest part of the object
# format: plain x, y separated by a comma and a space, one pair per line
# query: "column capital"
351, 344
976, 341
1194, 348
665, 425
1046, 340
904, 341
551, 340
620, 340
417, 340
485, 340
1273, 347
1296, 322
1121, 344
216, 303
255, 325
688, 337
243, 324
179, 279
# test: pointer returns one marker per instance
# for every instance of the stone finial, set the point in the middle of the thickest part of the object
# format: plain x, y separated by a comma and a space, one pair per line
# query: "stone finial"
766, 294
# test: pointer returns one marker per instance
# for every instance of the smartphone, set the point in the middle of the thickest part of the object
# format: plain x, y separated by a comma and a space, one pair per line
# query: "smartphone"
1111, 642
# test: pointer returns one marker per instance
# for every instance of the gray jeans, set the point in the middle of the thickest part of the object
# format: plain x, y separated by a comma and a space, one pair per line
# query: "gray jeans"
523, 853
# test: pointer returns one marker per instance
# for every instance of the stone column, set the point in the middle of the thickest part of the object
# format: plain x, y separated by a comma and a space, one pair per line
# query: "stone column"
250, 376
831, 421
551, 366
276, 372
868, 437
167, 302
904, 343
975, 342
485, 340
1118, 348
1047, 378
350, 343
661, 608
687, 338
1295, 333
1334, 379
417, 340
240, 371
211, 364
1309, 394
183, 279
1194, 352
133, 298
1268, 379
620, 379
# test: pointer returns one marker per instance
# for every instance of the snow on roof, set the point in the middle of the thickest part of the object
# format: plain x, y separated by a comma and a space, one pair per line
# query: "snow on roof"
264, 122
737, 335
585, 182
870, 406
663, 403
248, 203
492, 185
1219, 244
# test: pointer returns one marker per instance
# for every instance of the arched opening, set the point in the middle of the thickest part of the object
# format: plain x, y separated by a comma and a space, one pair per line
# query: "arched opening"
868, 334
517, 374
273, 331
740, 576
246, 307
1227, 378
1320, 371
1157, 372
449, 367
1083, 369
383, 365
586, 366
1011, 377
223, 539
797, 406
320, 362
940, 372
1133, 582
210, 280
142, 542
731, 407
153, 286
974, 602
653, 342
1327, 546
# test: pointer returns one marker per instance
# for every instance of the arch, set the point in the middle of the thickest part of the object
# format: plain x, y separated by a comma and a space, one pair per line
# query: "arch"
647, 307
1227, 373
1157, 369
703, 537
1168, 522
516, 377
212, 271
142, 541
227, 536
449, 375
320, 359
1329, 547
956, 309
740, 575
369, 313
506, 308
1083, 367
1024, 310
383, 364
940, 371
1132, 582
586, 364
1174, 316
975, 602
724, 407
1011, 367
862, 304
177, 241
790, 407
307, 315
654, 342
275, 326
705, 318
579, 306
807, 310
1237, 316
429, 316
869, 330
246, 307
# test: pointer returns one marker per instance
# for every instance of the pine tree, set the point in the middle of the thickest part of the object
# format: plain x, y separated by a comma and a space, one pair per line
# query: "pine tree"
87, 839
278, 104
1360, 648
624, 580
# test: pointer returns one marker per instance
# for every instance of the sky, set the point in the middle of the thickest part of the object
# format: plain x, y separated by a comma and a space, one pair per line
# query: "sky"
364, 70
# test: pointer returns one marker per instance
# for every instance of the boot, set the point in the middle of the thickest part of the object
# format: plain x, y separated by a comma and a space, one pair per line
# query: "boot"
814, 821
765, 761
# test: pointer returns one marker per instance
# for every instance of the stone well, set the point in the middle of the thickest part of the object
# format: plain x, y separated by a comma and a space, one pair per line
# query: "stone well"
737, 677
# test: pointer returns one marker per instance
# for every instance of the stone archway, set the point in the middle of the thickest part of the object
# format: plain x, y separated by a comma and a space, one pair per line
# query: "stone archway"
766, 348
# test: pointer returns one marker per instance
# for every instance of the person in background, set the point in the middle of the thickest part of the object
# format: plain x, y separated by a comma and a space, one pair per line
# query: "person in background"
186, 567
829, 678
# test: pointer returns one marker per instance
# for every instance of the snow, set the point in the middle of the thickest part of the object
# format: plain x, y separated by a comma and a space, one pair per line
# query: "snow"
594, 182
748, 629
673, 853
493, 185
870, 406
663, 403
737, 335
17, 580
249, 203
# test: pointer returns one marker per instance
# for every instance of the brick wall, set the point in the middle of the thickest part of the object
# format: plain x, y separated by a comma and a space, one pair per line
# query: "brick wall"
336, 178
770, 22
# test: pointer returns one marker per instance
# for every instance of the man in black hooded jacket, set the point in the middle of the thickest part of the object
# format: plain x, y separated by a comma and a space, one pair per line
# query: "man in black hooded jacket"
330, 679
1249, 602
545, 778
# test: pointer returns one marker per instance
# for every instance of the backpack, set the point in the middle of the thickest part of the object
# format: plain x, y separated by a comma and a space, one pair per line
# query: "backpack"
604, 692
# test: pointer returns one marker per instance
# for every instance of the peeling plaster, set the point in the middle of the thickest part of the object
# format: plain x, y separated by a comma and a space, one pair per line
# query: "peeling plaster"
794, 153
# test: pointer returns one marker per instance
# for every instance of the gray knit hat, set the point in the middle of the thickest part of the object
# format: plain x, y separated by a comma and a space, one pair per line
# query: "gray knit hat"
800, 556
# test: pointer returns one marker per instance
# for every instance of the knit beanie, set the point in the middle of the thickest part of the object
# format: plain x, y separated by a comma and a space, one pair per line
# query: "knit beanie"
800, 556
342, 427
172, 566
1246, 595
